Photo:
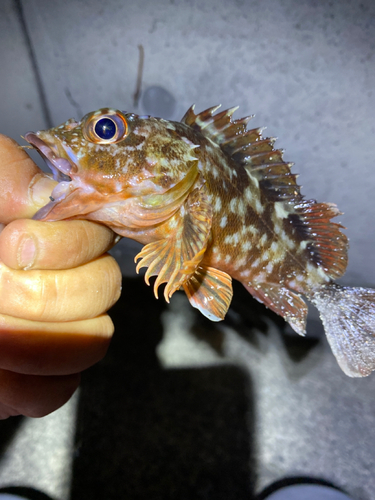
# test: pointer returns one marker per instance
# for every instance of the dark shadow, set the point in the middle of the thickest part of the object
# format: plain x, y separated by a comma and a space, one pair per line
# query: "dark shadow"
294, 480
146, 432
8, 429
250, 312
249, 319
25, 491
298, 347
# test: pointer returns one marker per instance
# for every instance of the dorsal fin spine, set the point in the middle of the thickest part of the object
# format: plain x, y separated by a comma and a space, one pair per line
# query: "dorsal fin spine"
311, 220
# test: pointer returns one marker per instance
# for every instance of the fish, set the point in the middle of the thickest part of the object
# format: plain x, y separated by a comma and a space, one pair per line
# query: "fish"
211, 200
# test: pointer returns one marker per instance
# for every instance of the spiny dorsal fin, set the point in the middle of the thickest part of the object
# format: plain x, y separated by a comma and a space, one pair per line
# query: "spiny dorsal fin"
311, 221
249, 149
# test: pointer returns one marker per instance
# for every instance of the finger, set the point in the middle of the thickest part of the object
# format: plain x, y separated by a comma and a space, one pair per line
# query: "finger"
29, 244
24, 188
33, 395
63, 295
37, 348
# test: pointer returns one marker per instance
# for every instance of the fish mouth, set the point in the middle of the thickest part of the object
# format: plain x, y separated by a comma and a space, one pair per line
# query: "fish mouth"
61, 168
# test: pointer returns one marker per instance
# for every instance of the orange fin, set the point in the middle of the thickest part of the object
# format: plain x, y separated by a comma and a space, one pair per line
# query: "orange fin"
210, 291
282, 301
175, 258
326, 244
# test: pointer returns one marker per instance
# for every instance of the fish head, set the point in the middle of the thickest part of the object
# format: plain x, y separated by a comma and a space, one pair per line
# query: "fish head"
105, 160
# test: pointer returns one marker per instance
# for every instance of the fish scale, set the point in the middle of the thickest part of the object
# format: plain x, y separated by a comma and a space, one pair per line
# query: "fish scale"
211, 200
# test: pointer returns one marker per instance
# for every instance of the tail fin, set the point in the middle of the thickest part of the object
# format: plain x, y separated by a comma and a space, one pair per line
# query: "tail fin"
348, 316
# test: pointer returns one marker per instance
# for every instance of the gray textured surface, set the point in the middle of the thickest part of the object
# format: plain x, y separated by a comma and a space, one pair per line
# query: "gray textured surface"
222, 408
305, 68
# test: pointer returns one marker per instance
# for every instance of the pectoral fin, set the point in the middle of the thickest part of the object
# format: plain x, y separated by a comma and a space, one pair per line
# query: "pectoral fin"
175, 258
210, 291
158, 207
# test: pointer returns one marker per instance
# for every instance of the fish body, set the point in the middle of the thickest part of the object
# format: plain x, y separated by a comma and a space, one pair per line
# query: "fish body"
211, 200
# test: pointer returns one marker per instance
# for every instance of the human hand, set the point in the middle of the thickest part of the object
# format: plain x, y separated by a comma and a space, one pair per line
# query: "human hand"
55, 286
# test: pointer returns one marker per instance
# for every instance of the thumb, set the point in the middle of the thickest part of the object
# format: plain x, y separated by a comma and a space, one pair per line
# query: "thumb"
24, 188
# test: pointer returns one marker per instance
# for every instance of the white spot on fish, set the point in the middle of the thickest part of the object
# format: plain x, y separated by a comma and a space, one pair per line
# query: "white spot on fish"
254, 180
217, 205
246, 246
266, 256
280, 210
233, 204
322, 273
223, 221
248, 195
274, 246
241, 262
259, 207
263, 239
269, 267
241, 207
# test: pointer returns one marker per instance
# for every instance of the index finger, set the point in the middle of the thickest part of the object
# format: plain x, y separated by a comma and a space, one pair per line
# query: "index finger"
24, 188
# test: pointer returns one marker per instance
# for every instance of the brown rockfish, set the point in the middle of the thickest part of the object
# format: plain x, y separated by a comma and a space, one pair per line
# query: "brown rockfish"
211, 200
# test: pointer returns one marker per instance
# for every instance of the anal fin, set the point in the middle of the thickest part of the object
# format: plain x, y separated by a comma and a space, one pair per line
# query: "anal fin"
210, 291
283, 302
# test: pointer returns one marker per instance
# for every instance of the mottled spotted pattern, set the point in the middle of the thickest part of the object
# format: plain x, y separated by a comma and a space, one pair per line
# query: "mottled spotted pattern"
211, 199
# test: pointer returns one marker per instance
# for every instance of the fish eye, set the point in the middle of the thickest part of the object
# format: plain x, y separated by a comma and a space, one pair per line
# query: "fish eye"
105, 128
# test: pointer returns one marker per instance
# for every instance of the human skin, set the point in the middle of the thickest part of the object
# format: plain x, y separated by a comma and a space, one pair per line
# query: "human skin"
56, 283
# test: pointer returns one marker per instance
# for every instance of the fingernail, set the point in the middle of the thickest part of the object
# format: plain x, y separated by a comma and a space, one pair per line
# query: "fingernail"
27, 253
40, 189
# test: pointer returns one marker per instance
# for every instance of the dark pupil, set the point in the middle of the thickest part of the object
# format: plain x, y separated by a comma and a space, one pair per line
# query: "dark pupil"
105, 128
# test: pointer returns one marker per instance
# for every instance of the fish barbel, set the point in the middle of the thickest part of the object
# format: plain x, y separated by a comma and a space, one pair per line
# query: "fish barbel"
211, 200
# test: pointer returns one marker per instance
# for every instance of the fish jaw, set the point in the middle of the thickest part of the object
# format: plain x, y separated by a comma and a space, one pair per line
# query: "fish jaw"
73, 203
72, 196
61, 168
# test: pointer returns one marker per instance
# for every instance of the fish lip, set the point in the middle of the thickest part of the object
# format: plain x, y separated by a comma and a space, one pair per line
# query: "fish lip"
61, 168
